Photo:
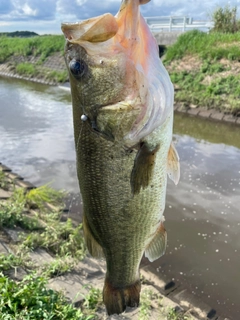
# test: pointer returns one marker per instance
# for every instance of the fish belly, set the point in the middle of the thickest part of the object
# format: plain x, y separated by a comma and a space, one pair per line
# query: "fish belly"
122, 223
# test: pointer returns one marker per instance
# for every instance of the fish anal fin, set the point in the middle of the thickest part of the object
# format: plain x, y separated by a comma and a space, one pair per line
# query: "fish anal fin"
116, 299
143, 167
173, 166
158, 244
93, 246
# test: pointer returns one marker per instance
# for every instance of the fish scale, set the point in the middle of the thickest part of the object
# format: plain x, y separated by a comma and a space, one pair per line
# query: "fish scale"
122, 102
107, 208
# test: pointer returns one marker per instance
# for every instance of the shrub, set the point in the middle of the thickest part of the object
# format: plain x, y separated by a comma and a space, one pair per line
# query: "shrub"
225, 20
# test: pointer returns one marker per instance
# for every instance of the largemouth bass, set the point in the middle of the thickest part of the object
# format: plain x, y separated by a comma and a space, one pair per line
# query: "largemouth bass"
122, 100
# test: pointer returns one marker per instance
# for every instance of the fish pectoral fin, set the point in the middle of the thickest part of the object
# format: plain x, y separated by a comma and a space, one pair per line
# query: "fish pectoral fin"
93, 246
158, 244
173, 166
143, 168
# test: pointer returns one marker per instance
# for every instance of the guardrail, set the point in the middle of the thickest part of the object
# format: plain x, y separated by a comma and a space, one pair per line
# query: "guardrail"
177, 23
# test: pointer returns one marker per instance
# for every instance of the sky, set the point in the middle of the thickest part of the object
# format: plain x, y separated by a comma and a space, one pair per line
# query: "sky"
45, 16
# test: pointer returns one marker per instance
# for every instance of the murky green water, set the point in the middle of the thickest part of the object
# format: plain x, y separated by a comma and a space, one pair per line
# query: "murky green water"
202, 212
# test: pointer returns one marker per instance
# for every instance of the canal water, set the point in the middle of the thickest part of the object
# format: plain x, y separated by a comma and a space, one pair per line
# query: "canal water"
202, 212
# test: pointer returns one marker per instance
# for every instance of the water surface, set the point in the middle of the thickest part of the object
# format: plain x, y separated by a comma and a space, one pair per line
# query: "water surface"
202, 212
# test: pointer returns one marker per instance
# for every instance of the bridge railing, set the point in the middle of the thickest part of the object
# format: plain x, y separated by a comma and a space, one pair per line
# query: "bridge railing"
177, 23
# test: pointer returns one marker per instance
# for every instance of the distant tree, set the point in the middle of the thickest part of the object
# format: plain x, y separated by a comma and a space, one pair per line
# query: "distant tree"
225, 20
20, 34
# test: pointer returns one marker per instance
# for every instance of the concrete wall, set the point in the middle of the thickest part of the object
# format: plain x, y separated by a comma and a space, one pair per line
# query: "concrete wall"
166, 38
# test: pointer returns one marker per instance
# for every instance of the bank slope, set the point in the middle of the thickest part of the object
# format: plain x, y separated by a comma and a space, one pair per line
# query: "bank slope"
204, 69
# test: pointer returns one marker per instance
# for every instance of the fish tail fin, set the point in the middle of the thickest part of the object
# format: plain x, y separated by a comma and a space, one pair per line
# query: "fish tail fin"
116, 299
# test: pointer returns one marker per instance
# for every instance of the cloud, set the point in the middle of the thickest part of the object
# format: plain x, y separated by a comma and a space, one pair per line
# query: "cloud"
83, 9
19, 10
56, 11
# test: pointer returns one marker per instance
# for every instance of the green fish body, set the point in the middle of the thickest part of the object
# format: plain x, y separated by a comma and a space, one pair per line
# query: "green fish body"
123, 114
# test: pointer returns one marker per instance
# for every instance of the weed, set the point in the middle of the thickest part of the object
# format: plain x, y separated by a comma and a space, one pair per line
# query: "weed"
30, 299
58, 76
37, 197
12, 212
61, 238
10, 261
39, 45
3, 181
145, 305
221, 93
26, 69
93, 299
58, 267
172, 314
212, 46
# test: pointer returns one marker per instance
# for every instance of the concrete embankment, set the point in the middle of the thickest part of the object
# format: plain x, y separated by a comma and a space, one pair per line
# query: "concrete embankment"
163, 296
56, 63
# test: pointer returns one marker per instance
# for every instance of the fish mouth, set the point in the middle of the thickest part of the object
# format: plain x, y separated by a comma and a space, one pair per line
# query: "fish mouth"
98, 29
106, 26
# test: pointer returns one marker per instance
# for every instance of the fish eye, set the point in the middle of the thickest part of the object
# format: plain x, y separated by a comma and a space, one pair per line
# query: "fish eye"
77, 67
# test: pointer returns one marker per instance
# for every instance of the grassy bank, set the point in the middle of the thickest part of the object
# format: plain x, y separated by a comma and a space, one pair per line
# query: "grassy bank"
27, 56
39, 221
204, 69
39, 226
42, 46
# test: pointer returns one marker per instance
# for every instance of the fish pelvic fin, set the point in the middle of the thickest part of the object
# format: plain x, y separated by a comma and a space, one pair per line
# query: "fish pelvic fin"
173, 166
116, 299
143, 168
158, 244
93, 246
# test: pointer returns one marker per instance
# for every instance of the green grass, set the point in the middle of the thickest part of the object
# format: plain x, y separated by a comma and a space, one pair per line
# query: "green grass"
57, 76
12, 211
223, 93
26, 69
209, 82
38, 196
40, 45
145, 305
30, 299
10, 261
3, 180
60, 238
212, 46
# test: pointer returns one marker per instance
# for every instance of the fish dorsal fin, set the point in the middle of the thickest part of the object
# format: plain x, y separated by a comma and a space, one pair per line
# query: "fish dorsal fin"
173, 166
158, 244
97, 29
